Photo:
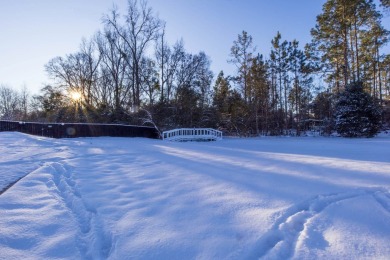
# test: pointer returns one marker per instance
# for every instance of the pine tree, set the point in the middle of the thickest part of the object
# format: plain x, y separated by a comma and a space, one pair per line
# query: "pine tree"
385, 3
279, 64
221, 93
242, 54
357, 113
259, 86
346, 32
300, 95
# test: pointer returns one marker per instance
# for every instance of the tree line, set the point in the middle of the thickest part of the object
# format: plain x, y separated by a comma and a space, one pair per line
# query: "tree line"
128, 73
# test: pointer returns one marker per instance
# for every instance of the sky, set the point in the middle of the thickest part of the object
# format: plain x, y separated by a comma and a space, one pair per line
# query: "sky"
34, 32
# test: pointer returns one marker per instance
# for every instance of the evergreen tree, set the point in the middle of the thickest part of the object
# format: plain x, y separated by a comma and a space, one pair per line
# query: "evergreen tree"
259, 85
300, 95
221, 93
279, 63
385, 3
357, 113
242, 53
346, 32
322, 106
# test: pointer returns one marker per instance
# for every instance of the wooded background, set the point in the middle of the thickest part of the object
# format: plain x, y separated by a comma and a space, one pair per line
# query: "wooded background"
127, 73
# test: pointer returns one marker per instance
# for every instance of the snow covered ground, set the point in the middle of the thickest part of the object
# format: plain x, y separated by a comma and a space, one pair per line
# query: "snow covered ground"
132, 198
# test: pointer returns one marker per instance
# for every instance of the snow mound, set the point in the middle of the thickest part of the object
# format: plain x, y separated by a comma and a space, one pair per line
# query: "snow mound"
132, 198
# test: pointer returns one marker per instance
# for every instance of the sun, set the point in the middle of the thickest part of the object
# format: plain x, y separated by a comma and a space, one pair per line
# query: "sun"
75, 95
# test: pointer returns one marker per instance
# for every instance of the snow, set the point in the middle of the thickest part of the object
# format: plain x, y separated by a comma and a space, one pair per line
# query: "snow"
134, 198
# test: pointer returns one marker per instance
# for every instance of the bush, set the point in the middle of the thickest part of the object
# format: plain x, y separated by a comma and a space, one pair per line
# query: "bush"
357, 113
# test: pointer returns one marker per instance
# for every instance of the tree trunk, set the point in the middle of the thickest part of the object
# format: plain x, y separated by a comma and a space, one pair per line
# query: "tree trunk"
357, 53
353, 70
162, 66
346, 63
379, 75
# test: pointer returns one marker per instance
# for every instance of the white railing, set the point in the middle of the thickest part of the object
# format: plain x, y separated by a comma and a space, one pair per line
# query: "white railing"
192, 134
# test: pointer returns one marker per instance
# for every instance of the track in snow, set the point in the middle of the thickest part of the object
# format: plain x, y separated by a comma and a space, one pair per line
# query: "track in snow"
281, 240
93, 241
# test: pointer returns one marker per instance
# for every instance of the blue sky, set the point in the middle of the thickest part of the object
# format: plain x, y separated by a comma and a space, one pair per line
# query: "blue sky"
33, 32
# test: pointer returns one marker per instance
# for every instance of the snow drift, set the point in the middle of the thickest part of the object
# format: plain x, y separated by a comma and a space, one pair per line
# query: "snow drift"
131, 198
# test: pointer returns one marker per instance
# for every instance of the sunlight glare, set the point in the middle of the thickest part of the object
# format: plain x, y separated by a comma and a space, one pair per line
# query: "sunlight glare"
75, 95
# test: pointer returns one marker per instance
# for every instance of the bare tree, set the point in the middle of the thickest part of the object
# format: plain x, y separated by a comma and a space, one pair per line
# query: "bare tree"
77, 72
114, 88
149, 79
140, 28
162, 51
173, 65
88, 72
9, 103
24, 102
60, 70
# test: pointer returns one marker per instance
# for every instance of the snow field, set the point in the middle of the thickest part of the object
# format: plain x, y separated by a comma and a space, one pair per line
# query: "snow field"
124, 198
